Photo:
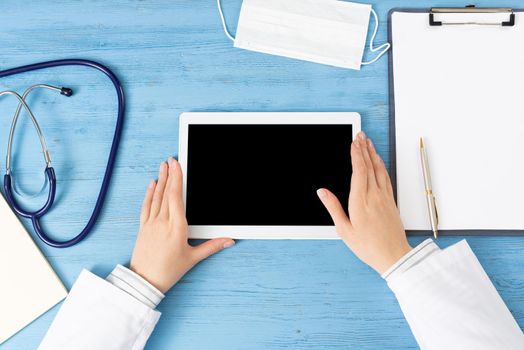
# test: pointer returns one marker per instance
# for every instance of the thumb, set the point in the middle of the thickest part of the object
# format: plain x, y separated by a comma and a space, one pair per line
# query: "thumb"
337, 213
213, 246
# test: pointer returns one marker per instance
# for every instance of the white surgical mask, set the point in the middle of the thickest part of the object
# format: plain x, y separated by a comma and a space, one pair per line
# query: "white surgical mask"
330, 32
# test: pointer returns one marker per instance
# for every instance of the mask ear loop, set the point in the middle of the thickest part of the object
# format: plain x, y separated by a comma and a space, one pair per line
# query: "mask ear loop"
384, 46
224, 26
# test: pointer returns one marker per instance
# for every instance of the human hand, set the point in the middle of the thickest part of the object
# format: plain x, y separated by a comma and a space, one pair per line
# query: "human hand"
162, 254
374, 231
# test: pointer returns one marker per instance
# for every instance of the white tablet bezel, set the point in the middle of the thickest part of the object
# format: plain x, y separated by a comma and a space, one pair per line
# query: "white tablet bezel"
260, 232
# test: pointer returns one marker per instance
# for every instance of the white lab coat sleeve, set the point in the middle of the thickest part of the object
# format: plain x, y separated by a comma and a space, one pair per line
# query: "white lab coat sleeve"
449, 301
99, 315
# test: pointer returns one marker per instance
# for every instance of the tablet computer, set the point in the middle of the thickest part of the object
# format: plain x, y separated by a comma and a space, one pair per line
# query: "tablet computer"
255, 175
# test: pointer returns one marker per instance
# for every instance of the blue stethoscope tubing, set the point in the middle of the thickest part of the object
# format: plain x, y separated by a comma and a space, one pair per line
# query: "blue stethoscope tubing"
36, 215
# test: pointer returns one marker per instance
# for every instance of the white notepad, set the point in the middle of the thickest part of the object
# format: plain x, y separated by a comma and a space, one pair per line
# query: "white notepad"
462, 89
29, 287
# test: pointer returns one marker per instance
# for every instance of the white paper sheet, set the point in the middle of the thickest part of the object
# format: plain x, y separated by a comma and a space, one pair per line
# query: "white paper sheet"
462, 89
29, 287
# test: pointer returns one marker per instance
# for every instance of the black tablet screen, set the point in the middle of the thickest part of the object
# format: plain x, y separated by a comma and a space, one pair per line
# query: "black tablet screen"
265, 174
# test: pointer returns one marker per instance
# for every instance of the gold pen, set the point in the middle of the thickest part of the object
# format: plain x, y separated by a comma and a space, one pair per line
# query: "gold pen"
430, 197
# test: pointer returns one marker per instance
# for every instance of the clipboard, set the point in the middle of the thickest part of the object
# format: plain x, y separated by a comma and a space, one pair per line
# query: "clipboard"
466, 20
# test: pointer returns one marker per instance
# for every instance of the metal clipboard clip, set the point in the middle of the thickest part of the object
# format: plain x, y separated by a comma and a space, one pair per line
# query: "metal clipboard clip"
472, 9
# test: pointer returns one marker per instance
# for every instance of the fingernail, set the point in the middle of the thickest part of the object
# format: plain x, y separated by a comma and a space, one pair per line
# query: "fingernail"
229, 244
370, 145
151, 184
321, 193
171, 162
162, 166
362, 135
356, 144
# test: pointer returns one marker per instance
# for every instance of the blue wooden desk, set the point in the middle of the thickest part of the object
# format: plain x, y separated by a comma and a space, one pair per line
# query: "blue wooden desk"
172, 56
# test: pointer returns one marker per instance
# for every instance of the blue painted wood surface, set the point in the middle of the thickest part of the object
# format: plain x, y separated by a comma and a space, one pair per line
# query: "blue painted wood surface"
172, 56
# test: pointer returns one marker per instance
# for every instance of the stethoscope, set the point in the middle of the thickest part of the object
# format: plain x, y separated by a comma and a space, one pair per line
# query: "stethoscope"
36, 215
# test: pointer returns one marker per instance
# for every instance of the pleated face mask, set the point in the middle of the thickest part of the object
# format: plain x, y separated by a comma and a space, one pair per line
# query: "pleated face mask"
330, 32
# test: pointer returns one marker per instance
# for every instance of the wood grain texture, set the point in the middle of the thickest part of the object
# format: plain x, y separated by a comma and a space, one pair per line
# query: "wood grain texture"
172, 56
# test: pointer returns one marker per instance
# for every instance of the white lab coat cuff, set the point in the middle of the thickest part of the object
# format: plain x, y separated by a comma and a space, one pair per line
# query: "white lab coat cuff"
136, 286
412, 258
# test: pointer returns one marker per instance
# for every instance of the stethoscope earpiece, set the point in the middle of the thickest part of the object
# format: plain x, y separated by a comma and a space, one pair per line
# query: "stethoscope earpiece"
66, 92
